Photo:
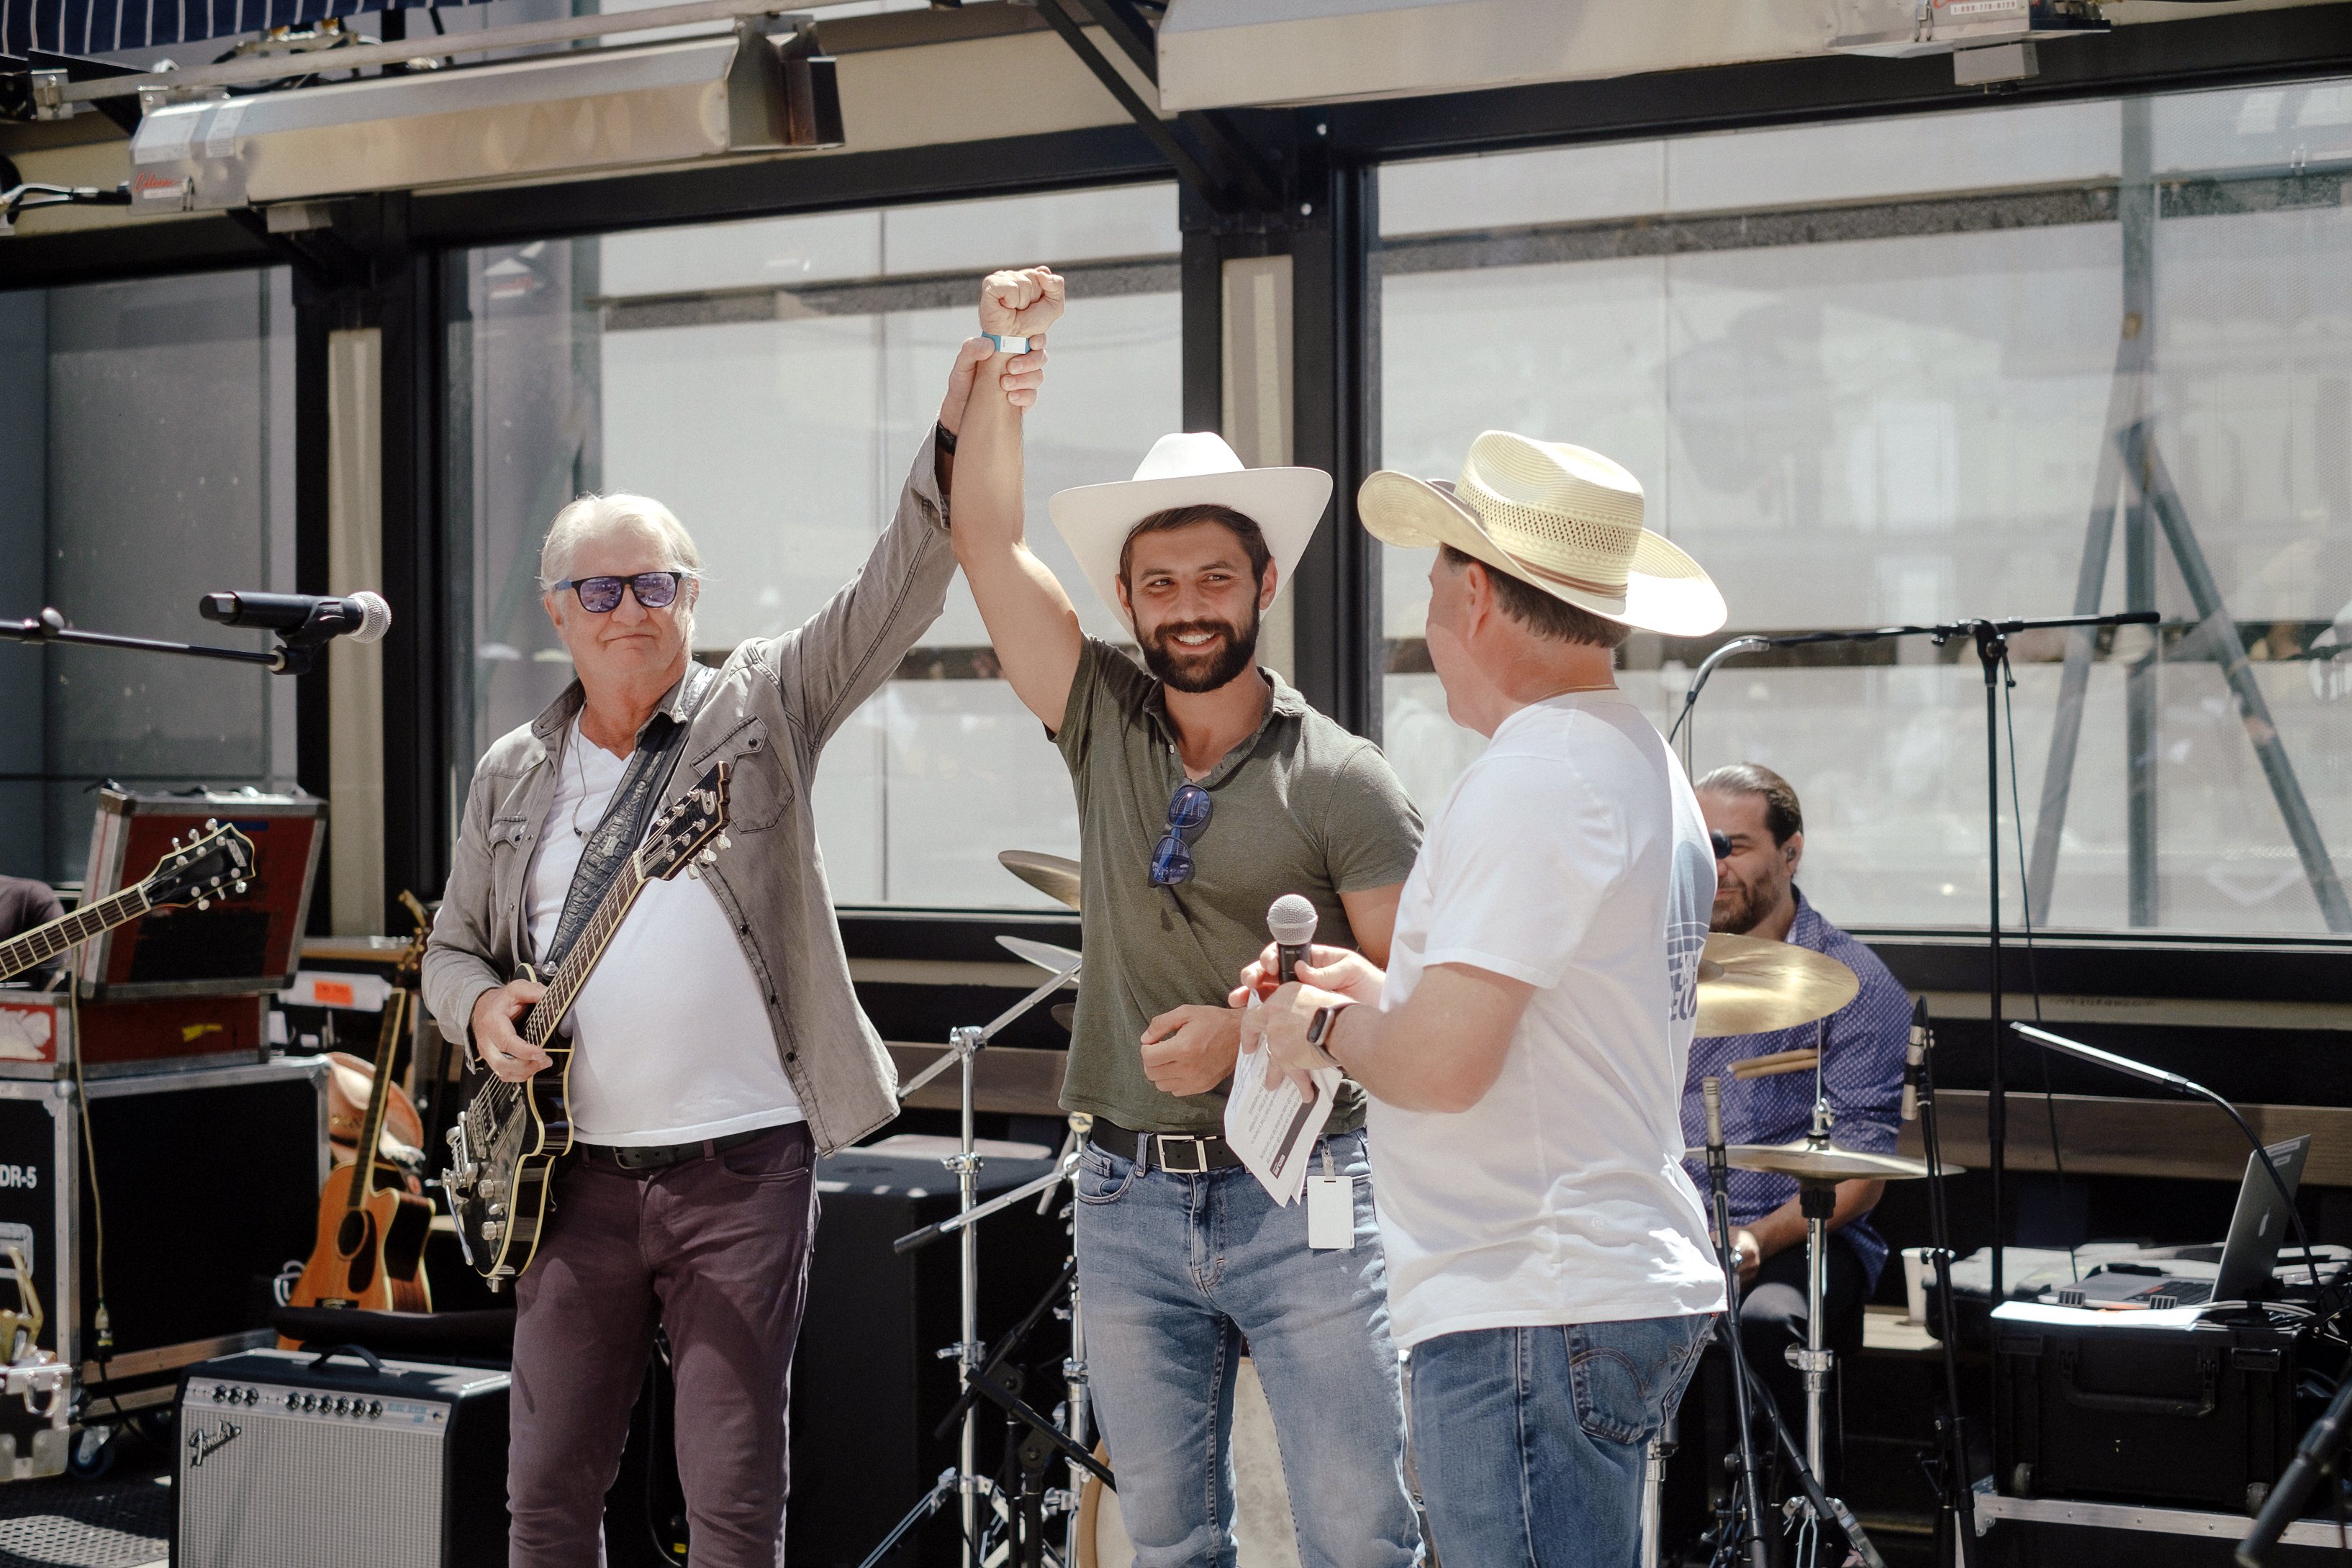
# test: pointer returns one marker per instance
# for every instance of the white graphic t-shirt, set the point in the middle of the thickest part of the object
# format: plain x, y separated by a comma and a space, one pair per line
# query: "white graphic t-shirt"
1571, 856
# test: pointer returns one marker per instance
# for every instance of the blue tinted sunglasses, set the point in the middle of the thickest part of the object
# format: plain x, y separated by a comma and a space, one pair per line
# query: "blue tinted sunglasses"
1187, 813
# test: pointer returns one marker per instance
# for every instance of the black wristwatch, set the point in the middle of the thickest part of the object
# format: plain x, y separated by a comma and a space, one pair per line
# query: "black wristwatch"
1318, 1028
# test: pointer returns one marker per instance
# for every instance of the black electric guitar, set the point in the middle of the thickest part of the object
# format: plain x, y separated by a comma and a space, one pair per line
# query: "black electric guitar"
211, 865
503, 1150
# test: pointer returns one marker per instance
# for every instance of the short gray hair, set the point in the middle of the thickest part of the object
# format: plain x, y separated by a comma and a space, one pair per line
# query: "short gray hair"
593, 517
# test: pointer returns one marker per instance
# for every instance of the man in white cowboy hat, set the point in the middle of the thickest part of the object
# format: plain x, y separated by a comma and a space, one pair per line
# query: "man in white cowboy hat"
1207, 788
1550, 1277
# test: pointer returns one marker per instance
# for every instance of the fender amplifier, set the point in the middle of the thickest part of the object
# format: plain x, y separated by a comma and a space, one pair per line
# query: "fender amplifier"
413, 1456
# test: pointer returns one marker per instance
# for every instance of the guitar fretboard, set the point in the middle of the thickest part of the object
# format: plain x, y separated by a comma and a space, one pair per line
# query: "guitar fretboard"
43, 943
563, 986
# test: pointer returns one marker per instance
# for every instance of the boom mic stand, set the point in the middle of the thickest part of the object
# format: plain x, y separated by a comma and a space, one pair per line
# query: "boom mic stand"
1959, 1512
964, 1046
295, 655
1992, 640
1718, 1179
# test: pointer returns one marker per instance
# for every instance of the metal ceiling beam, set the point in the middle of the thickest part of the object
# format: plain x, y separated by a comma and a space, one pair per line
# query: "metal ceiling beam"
1130, 31
1209, 155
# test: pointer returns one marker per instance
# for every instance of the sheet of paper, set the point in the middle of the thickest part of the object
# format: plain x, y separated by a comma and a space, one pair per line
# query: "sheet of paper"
1274, 1128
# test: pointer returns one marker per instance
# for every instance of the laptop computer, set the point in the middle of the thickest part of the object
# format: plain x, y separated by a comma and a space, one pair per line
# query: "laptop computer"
2248, 1256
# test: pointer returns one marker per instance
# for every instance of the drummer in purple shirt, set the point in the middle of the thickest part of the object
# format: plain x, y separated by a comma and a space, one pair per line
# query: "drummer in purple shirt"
1756, 812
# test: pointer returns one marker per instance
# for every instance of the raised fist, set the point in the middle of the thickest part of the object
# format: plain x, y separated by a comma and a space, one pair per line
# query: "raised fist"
1019, 304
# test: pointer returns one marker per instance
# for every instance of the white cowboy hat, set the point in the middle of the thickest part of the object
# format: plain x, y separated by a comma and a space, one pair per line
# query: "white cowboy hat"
1567, 520
1190, 470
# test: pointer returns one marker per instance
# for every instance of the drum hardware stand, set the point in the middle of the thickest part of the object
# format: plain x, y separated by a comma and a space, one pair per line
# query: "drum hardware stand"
964, 1046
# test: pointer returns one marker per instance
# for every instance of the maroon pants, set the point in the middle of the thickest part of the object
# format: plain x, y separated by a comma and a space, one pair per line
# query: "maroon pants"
715, 1250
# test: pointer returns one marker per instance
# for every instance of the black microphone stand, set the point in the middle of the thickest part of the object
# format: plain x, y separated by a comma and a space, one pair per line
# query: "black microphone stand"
1992, 640
1960, 1512
295, 655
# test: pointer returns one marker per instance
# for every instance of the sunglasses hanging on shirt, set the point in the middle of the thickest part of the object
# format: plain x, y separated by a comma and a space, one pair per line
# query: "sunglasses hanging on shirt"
1189, 811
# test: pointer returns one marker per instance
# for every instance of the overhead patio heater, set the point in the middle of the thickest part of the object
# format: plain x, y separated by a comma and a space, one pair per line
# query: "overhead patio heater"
765, 86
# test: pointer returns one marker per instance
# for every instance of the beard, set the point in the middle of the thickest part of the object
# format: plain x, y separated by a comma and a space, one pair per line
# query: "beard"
1186, 671
1738, 909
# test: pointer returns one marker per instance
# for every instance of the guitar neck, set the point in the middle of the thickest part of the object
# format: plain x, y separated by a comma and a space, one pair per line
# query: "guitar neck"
564, 985
60, 936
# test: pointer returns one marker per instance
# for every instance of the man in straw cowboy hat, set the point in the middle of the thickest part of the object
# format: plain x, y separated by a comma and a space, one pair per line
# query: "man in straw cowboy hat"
1207, 788
1549, 1272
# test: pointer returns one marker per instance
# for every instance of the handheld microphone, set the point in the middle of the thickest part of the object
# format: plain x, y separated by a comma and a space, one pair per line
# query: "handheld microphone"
363, 616
1291, 922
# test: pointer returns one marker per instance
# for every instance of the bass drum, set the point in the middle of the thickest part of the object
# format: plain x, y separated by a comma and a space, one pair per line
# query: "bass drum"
1262, 1528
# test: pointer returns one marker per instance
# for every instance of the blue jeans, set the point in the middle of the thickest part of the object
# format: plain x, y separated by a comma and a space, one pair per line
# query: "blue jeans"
1527, 1443
1176, 1275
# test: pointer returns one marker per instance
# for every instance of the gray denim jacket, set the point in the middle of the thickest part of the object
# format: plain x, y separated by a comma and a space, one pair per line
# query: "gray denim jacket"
777, 702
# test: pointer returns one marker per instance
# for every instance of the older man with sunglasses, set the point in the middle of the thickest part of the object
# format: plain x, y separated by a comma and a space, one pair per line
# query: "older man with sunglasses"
717, 1047
1207, 788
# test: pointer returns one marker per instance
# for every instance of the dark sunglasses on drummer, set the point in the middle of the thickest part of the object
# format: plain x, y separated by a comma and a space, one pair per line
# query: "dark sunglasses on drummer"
1721, 840
1188, 814
602, 595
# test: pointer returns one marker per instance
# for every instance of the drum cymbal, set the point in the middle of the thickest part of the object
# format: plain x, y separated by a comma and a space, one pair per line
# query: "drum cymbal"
1808, 1161
1750, 986
1055, 876
1044, 954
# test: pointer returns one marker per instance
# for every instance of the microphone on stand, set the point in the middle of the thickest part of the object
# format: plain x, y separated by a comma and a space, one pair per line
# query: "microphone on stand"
1914, 1058
1291, 922
363, 616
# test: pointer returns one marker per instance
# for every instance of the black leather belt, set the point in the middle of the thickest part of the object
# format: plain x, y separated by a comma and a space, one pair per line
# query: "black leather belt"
1178, 1153
659, 1156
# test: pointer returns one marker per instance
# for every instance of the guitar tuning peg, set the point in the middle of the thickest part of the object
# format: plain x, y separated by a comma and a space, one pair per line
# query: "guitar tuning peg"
240, 887
204, 904
708, 857
725, 843
175, 843
693, 872
211, 822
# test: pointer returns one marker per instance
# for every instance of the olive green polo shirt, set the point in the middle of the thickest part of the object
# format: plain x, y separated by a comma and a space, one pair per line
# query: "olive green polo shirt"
1302, 806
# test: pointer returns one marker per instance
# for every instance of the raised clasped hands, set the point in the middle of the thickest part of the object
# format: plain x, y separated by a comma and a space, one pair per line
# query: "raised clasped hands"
1012, 304
1326, 977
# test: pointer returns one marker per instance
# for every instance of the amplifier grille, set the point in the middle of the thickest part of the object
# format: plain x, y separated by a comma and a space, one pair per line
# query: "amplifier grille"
281, 1490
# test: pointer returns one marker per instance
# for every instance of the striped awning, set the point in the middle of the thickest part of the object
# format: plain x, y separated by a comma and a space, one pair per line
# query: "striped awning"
101, 27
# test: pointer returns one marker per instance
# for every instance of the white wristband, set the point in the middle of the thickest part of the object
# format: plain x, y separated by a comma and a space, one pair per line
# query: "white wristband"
1007, 345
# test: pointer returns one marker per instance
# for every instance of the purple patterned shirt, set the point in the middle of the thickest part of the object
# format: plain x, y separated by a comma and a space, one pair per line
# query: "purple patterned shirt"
1862, 1049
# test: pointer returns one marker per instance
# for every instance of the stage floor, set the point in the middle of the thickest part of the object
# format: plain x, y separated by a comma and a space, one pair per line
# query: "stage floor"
118, 1522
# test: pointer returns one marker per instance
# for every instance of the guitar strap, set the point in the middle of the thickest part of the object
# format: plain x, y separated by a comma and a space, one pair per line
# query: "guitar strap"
622, 827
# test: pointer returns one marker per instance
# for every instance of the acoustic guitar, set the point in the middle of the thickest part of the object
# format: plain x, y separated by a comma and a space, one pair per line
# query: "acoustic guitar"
504, 1149
372, 1222
209, 866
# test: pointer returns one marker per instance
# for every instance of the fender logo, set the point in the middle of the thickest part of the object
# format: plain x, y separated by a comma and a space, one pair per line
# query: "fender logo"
193, 1032
202, 1445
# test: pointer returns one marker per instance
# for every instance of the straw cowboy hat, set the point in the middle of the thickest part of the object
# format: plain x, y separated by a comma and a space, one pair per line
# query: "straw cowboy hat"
1190, 470
1567, 520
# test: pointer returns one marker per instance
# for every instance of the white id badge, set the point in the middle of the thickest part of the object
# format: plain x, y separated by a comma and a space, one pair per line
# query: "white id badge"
1331, 1213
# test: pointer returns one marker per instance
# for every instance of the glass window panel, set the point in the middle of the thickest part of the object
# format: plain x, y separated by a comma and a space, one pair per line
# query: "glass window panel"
1905, 424
95, 372
775, 412
1732, 171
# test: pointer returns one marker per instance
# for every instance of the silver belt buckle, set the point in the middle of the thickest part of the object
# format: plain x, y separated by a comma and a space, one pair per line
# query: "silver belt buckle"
1199, 1153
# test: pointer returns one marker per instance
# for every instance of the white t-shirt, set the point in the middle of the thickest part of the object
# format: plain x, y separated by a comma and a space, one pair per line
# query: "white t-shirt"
1571, 856
671, 1039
